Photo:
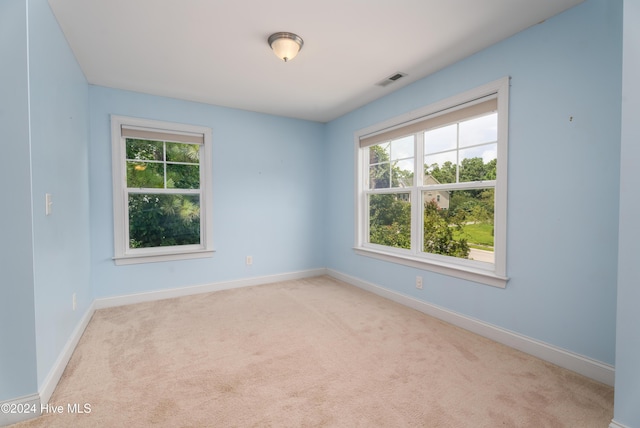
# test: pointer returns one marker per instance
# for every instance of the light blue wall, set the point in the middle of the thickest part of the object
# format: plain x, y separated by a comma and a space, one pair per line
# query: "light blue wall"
563, 182
627, 397
59, 96
268, 194
17, 325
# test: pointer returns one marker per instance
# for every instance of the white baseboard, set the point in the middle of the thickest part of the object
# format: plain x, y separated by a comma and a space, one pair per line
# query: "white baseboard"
19, 409
129, 299
615, 424
46, 388
51, 381
588, 367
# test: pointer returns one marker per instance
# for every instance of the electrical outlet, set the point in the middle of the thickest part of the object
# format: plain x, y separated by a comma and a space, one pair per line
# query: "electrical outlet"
249, 260
74, 302
419, 282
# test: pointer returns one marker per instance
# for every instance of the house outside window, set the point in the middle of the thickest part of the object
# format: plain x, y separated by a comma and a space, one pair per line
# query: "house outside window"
432, 187
161, 190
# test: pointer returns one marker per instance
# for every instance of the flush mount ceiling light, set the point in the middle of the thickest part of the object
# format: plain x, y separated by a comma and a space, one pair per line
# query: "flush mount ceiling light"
285, 45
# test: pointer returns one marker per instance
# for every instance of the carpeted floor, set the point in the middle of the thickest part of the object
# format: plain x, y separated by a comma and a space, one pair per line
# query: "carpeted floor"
308, 353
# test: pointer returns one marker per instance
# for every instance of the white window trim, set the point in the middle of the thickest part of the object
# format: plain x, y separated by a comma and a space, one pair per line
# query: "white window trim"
122, 254
494, 274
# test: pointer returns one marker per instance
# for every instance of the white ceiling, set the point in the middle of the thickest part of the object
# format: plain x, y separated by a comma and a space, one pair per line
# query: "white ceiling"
216, 51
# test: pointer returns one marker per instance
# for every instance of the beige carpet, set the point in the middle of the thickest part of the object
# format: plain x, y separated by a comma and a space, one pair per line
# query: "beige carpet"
308, 353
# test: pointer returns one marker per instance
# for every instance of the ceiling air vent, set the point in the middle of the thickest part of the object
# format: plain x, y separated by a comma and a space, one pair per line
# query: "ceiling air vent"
391, 79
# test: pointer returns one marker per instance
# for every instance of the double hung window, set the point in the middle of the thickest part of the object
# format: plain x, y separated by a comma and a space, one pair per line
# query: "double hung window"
432, 187
161, 181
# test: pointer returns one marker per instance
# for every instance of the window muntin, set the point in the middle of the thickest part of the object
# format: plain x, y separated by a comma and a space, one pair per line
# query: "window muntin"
458, 202
392, 164
162, 203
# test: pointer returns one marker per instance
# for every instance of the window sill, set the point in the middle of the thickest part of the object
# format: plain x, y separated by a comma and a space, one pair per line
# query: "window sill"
167, 257
458, 271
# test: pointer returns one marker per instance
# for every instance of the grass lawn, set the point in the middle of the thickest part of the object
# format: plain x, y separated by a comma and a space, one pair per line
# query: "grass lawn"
477, 234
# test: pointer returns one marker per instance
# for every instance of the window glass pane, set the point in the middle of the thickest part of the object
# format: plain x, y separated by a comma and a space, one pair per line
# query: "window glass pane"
390, 220
440, 168
391, 164
402, 173
149, 175
480, 130
163, 220
402, 159
379, 176
144, 150
461, 225
379, 153
478, 163
442, 230
439, 197
402, 148
183, 176
179, 152
440, 139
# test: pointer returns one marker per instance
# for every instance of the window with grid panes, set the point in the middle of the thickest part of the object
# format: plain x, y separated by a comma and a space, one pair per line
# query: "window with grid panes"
162, 201
432, 187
